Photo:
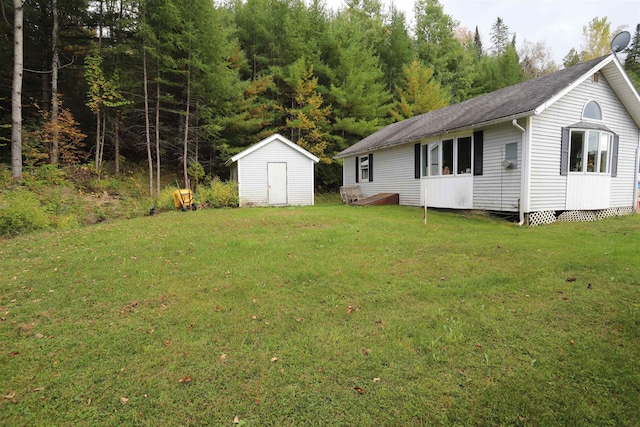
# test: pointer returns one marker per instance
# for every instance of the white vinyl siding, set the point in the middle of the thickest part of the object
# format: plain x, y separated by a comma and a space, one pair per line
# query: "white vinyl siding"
548, 187
252, 175
498, 188
393, 172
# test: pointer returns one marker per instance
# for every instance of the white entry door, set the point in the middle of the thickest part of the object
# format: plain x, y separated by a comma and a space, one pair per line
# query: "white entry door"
277, 181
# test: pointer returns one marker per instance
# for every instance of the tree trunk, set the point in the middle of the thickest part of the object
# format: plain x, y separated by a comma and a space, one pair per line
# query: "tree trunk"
55, 64
16, 92
116, 144
146, 118
98, 115
186, 129
158, 130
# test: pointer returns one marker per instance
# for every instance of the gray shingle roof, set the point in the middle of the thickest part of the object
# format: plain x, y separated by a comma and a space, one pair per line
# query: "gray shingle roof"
517, 100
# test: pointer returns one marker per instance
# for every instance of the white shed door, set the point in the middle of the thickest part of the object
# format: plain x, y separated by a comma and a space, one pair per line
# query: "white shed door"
277, 181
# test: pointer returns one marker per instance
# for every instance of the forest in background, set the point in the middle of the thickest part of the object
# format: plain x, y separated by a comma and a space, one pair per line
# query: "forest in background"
185, 84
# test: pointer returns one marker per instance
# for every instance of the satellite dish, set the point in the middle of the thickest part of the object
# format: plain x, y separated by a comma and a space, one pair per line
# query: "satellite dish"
620, 42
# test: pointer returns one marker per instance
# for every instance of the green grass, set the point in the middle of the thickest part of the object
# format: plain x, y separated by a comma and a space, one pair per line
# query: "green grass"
467, 320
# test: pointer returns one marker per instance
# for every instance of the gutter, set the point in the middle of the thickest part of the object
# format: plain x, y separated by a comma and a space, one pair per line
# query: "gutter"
525, 169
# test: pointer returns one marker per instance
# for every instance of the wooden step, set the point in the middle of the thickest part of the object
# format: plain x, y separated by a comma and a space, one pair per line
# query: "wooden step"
379, 199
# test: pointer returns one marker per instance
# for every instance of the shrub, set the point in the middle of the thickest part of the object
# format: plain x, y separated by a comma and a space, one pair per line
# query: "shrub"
65, 222
219, 194
165, 200
20, 212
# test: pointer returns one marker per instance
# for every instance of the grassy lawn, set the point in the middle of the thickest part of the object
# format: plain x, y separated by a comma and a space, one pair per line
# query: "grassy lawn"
325, 315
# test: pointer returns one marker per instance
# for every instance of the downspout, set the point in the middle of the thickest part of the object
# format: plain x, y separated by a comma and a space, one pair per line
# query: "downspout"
637, 177
524, 170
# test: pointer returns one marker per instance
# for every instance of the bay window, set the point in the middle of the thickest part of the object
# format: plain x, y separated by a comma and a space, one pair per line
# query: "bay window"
589, 151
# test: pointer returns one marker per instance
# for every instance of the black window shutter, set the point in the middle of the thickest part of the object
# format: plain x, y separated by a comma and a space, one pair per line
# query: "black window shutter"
416, 161
478, 147
614, 156
564, 152
370, 167
357, 169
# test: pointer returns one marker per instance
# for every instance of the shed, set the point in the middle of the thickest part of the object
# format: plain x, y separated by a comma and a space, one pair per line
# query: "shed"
564, 146
274, 172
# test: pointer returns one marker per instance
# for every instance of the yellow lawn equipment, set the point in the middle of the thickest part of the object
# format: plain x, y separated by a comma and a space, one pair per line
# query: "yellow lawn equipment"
183, 199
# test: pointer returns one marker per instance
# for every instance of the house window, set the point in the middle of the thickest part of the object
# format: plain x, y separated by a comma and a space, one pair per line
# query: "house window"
425, 160
592, 111
511, 155
435, 160
589, 151
447, 157
464, 155
450, 157
364, 168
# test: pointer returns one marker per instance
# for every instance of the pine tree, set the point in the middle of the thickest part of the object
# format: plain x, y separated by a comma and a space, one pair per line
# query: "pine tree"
418, 93
632, 61
307, 120
477, 42
499, 37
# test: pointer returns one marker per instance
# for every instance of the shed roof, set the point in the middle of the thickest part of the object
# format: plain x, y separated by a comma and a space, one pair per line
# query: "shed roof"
520, 100
275, 136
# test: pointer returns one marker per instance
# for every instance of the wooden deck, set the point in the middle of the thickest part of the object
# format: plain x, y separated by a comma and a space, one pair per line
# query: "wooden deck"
379, 199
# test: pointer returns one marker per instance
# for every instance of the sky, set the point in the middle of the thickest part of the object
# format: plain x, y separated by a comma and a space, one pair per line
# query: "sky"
558, 23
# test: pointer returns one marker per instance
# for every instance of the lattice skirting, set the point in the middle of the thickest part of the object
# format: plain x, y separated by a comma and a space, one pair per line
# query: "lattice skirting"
543, 217
549, 217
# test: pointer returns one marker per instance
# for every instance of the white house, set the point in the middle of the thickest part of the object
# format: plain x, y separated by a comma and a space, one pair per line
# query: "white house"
274, 172
564, 146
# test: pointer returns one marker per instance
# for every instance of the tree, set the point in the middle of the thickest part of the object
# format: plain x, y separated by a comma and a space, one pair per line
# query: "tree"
536, 60
596, 41
397, 49
632, 61
357, 94
499, 37
16, 92
307, 120
55, 65
103, 93
418, 93
571, 58
477, 42
437, 47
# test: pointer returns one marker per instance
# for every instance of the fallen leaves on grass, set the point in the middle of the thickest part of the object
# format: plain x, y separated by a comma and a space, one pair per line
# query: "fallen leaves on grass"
222, 358
236, 420
376, 380
124, 400
366, 351
274, 359
186, 379
571, 279
10, 397
572, 342
349, 310
359, 390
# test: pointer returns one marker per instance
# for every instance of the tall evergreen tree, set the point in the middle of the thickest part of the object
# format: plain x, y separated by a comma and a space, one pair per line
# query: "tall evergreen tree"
357, 93
499, 37
477, 42
418, 93
632, 61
